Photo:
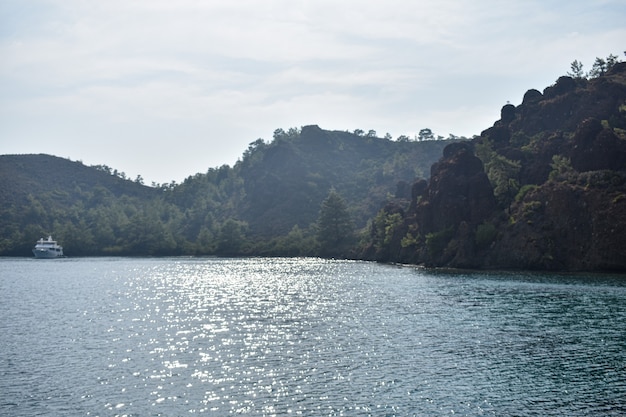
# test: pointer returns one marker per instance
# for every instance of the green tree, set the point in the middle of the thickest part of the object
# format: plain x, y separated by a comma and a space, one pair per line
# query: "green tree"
438, 241
425, 134
335, 232
503, 173
599, 68
561, 169
279, 133
205, 241
576, 69
231, 238
384, 227
146, 234
611, 60
297, 242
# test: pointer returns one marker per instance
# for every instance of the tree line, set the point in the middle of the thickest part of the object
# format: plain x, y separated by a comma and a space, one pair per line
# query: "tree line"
599, 67
99, 224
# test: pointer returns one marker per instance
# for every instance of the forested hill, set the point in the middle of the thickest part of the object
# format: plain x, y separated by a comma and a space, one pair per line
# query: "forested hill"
44, 194
286, 181
24, 175
544, 188
267, 203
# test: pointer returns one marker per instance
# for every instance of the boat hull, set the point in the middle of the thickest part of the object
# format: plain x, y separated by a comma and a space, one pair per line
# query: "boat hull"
47, 254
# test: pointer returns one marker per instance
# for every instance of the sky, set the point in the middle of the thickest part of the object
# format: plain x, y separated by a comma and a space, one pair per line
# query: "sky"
167, 89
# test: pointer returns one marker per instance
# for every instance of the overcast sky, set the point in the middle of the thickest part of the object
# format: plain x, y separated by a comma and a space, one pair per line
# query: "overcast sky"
167, 89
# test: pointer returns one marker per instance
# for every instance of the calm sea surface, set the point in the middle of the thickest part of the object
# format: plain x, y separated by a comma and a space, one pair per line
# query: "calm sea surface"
262, 337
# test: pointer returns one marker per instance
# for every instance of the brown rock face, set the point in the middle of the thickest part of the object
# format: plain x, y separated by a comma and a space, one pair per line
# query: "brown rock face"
595, 148
457, 199
564, 226
459, 190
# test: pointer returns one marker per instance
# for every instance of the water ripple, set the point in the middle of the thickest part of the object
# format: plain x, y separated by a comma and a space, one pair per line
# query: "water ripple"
306, 337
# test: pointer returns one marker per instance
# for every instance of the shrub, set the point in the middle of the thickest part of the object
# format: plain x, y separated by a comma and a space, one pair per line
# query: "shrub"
485, 234
437, 242
524, 190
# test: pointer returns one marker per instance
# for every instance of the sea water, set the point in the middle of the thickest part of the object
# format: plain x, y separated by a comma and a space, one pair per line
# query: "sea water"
304, 336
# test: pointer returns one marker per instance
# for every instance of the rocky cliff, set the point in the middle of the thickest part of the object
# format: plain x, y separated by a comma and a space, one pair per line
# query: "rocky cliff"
543, 188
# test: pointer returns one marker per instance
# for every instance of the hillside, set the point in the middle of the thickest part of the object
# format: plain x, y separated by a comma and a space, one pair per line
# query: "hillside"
43, 194
544, 188
250, 208
286, 181
24, 175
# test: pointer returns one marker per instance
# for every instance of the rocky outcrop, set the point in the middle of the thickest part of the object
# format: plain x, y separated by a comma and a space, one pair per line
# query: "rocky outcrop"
569, 101
594, 148
547, 193
459, 190
444, 213
567, 226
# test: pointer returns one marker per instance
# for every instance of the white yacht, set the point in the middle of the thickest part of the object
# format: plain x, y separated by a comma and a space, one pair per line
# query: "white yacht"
47, 249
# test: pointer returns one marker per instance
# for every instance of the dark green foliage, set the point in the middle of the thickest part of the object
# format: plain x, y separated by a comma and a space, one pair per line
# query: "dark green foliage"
561, 168
335, 230
485, 234
231, 238
524, 190
576, 69
298, 242
286, 181
89, 210
267, 204
503, 173
425, 134
384, 227
436, 242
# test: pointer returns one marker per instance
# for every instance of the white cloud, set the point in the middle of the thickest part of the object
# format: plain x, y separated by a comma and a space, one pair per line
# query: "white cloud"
196, 81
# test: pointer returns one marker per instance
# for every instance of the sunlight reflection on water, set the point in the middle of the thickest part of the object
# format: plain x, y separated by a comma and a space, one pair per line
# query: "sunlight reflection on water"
306, 337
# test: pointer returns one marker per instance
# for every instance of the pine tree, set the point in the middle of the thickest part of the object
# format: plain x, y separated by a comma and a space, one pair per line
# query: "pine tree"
576, 69
335, 228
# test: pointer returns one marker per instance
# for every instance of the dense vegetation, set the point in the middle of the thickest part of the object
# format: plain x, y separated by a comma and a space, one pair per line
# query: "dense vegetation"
269, 203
